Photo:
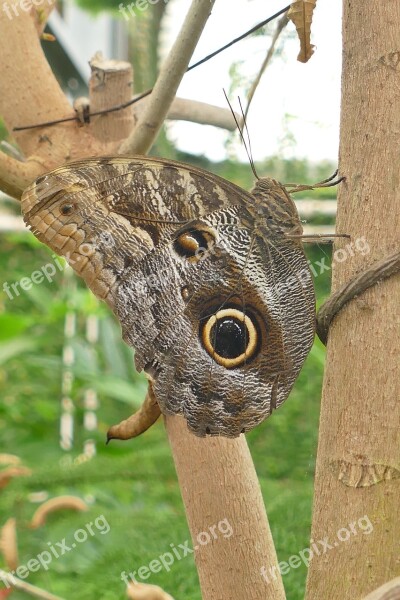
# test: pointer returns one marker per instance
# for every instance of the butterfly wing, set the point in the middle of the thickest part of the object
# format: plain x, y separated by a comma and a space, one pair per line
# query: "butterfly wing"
247, 275
172, 249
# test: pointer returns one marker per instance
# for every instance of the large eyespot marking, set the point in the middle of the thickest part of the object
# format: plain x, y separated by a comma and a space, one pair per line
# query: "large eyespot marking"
230, 337
193, 243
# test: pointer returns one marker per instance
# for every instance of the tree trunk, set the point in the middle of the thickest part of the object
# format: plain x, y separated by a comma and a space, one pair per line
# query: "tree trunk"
358, 462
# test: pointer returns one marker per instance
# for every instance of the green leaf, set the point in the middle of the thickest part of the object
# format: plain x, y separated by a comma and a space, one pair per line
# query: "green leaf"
132, 394
14, 347
12, 325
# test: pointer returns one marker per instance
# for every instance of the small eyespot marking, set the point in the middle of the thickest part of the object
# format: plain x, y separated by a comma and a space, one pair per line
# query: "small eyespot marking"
193, 243
67, 209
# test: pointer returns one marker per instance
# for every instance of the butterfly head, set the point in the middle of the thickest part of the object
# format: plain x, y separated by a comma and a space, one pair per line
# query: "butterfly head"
276, 209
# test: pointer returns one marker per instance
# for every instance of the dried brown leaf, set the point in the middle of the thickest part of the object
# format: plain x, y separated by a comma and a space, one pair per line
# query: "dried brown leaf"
8, 544
139, 422
301, 13
7, 474
144, 591
9, 459
54, 504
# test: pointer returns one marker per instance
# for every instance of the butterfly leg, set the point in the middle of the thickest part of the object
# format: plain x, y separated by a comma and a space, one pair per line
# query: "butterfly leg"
139, 422
329, 182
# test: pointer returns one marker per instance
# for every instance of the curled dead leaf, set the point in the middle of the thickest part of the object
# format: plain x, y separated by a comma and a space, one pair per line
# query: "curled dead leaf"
15, 471
139, 422
146, 591
301, 14
8, 544
55, 504
9, 459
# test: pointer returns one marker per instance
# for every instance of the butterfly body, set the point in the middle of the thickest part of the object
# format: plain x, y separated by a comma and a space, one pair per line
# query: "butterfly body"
210, 290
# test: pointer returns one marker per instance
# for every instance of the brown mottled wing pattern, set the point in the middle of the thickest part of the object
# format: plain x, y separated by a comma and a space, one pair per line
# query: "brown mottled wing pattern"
116, 220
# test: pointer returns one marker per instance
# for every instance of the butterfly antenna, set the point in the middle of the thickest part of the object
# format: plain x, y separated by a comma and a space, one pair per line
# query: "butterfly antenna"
245, 128
241, 135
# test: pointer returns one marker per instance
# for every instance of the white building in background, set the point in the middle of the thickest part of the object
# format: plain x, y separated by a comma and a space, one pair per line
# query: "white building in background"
79, 35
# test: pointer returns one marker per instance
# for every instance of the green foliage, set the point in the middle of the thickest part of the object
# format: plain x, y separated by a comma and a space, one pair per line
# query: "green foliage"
299, 171
97, 6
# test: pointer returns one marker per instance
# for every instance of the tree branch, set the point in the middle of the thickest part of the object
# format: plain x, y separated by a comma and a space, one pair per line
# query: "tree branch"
197, 112
142, 137
30, 94
111, 83
388, 591
200, 112
283, 21
219, 485
16, 175
32, 590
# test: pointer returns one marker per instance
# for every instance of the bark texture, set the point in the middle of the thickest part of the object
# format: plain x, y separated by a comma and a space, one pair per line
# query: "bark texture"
358, 464
219, 484
111, 84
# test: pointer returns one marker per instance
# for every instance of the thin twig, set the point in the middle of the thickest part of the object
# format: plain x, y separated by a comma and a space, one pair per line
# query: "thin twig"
175, 66
18, 584
279, 28
377, 272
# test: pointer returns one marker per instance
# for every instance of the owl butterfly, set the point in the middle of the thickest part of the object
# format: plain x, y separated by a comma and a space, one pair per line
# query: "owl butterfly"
209, 282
